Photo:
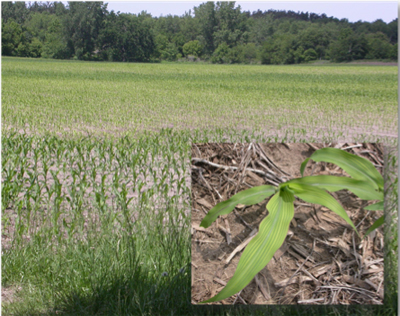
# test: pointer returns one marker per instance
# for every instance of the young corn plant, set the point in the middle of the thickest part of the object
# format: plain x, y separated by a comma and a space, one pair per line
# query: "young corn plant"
364, 181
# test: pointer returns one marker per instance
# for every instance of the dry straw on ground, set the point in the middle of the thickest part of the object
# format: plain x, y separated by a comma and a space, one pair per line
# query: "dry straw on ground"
322, 260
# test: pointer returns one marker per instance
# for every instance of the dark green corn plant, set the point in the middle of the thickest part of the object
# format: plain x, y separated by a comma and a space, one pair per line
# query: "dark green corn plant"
364, 181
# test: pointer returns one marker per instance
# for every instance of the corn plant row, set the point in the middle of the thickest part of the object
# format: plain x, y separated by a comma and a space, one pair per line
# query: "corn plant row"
102, 198
55, 183
96, 98
58, 184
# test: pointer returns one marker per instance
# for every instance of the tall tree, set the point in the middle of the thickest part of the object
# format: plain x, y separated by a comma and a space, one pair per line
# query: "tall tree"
83, 24
261, 29
393, 31
125, 37
316, 37
14, 10
379, 46
349, 46
189, 27
11, 37
231, 25
86, 30
205, 14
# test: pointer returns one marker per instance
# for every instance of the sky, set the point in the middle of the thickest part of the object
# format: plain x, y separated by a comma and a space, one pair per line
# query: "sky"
354, 11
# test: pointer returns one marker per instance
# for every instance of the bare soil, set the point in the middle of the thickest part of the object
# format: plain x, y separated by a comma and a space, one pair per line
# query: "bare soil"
322, 260
8, 294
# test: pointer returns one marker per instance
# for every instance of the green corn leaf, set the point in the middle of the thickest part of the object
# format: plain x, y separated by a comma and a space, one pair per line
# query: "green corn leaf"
362, 189
247, 197
271, 235
378, 222
316, 195
304, 164
375, 207
357, 167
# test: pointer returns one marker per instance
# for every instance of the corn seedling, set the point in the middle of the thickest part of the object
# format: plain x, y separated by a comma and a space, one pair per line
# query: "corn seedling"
243, 93
64, 137
365, 182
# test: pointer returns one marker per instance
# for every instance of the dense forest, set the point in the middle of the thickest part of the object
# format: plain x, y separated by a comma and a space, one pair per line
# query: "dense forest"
219, 32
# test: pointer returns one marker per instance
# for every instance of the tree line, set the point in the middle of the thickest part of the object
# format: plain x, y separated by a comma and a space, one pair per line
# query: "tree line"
219, 32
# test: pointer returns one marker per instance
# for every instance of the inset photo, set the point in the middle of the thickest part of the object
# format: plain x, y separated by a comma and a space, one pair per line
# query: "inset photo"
284, 224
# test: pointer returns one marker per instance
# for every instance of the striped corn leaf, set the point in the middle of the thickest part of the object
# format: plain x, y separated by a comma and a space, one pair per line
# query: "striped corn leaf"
272, 233
247, 197
315, 195
357, 167
375, 207
375, 225
362, 189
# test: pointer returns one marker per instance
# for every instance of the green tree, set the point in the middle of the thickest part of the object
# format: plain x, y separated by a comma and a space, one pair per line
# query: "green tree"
16, 11
161, 42
83, 25
192, 48
125, 37
35, 48
236, 55
86, 30
231, 25
282, 26
348, 47
260, 29
55, 44
205, 15
189, 27
28, 39
310, 54
299, 55
378, 46
250, 53
221, 55
170, 53
394, 52
23, 49
11, 37
60, 9
379, 26
317, 37
393, 31
267, 52
41, 7
281, 49
168, 25
7, 11
38, 24
179, 40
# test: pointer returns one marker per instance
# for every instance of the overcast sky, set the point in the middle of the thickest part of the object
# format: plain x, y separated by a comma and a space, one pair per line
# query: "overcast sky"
353, 11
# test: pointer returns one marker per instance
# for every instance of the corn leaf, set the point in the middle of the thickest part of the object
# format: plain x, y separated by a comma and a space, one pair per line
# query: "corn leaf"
357, 167
375, 225
247, 197
272, 233
316, 195
362, 189
375, 207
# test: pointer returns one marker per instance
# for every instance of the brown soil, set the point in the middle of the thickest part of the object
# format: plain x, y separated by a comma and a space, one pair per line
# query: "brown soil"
322, 260
8, 294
